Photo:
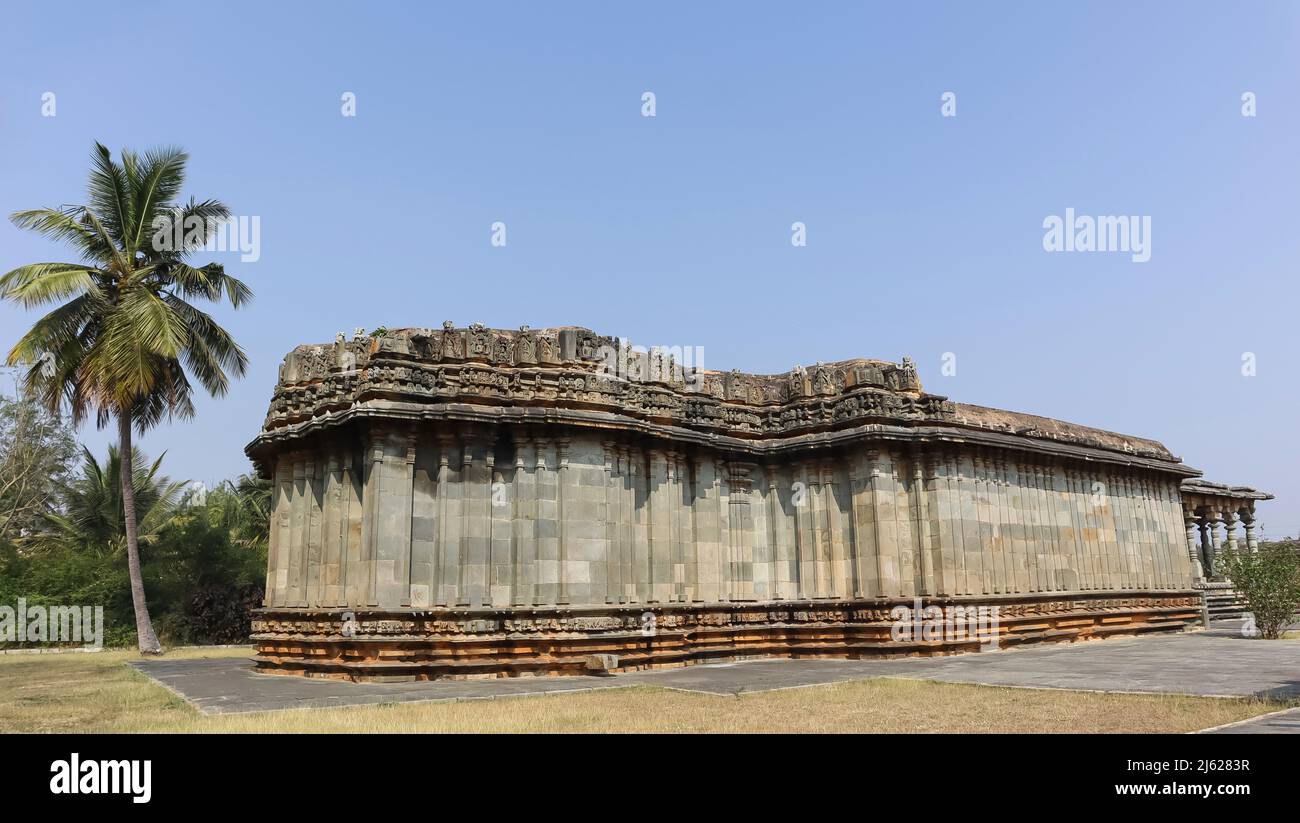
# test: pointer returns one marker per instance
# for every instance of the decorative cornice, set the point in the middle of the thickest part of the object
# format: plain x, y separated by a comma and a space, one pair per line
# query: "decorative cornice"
576, 376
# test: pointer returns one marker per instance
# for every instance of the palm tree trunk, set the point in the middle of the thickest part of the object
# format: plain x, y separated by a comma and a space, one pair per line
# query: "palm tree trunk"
148, 641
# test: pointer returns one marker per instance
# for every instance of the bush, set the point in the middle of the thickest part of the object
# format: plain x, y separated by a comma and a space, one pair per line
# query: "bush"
1269, 579
221, 612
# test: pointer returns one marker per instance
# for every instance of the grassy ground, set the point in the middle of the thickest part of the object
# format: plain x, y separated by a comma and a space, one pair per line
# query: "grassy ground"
99, 693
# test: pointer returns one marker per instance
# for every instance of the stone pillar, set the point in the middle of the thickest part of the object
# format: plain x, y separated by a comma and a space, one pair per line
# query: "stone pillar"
1230, 529
1209, 540
1248, 519
1193, 552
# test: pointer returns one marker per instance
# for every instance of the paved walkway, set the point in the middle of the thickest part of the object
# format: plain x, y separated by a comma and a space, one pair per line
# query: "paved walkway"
1285, 722
1218, 662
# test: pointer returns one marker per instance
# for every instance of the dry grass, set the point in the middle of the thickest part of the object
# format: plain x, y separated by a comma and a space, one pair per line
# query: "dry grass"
97, 692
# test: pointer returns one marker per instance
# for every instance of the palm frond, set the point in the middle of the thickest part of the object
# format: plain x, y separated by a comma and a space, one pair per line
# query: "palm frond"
109, 193
63, 226
38, 283
161, 175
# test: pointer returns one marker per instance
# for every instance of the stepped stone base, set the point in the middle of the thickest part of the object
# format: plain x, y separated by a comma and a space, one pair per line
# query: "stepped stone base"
406, 644
1223, 602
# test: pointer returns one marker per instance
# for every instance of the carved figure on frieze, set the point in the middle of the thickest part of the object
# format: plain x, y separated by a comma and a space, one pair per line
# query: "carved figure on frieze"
502, 352
909, 376
527, 348
797, 382
823, 380
479, 341
451, 345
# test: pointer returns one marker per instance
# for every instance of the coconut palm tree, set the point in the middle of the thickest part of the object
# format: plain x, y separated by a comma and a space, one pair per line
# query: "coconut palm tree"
125, 337
93, 517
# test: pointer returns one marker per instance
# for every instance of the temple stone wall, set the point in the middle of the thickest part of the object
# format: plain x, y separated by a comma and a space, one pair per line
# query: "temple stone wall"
417, 518
463, 502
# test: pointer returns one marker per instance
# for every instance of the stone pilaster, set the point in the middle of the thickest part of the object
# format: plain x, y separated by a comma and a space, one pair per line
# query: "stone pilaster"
547, 589
424, 526
281, 537
740, 532
561, 521
446, 551
613, 544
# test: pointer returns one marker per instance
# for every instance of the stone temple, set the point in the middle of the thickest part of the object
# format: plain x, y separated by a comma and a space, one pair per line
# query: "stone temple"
463, 502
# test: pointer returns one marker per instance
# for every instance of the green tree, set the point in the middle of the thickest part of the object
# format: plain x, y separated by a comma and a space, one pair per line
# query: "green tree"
36, 451
243, 509
125, 337
93, 519
1269, 578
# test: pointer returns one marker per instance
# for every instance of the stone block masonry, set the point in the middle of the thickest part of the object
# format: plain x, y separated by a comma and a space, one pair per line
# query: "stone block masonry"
479, 502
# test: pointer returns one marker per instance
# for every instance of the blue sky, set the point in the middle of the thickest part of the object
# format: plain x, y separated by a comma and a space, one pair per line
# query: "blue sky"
924, 232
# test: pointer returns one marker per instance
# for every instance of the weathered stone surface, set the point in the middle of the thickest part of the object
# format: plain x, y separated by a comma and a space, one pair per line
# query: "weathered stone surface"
561, 489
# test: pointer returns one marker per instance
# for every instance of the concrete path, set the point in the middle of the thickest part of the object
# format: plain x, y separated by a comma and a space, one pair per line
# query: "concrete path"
1284, 722
1218, 662
229, 684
